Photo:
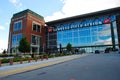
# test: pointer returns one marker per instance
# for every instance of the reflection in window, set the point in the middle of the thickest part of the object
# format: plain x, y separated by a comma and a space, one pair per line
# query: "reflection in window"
16, 39
17, 26
19, 37
88, 36
13, 39
35, 40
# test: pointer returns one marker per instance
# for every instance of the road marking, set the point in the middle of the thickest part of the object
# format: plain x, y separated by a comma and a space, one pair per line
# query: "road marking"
23, 69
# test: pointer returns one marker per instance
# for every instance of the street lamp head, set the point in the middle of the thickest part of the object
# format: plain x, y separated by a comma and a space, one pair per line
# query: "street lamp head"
46, 25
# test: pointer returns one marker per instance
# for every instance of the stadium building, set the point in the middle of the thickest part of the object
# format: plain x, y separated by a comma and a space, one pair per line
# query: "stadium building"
89, 32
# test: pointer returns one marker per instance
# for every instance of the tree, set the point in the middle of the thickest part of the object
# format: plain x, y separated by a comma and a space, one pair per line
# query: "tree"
69, 47
24, 46
4, 52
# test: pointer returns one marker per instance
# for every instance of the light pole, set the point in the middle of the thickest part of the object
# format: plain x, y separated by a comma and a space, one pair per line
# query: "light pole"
44, 37
47, 30
60, 48
43, 47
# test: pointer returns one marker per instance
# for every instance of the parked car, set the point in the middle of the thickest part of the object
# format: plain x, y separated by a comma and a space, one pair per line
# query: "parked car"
97, 52
119, 51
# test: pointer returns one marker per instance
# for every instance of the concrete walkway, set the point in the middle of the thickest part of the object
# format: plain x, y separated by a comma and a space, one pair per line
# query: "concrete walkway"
18, 68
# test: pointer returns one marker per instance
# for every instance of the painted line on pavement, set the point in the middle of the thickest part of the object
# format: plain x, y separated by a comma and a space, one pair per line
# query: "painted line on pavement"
23, 69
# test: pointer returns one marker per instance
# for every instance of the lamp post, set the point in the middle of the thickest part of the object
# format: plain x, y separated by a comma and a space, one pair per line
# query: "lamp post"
43, 47
44, 37
60, 48
46, 31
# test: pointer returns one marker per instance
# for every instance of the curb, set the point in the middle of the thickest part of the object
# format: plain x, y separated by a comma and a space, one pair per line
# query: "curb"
37, 66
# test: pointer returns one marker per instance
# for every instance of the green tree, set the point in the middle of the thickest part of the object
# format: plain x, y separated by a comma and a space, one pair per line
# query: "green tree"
69, 47
24, 46
4, 52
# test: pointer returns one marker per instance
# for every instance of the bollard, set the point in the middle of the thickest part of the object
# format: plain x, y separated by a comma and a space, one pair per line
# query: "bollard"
41, 57
21, 60
46, 57
11, 61
28, 59
0, 62
36, 58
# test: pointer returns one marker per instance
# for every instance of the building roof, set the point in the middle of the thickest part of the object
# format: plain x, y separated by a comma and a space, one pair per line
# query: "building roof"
98, 13
28, 11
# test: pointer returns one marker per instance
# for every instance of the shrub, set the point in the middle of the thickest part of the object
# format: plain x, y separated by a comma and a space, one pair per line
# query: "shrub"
5, 60
16, 59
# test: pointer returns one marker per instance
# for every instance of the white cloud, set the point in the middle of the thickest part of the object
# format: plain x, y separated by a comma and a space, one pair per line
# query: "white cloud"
56, 15
103, 42
108, 41
2, 27
3, 45
17, 3
77, 7
106, 31
13, 1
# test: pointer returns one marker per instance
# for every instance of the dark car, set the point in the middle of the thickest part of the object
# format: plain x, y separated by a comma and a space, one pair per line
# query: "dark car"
97, 52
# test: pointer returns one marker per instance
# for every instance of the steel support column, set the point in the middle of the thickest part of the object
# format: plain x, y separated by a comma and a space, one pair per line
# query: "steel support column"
112, 35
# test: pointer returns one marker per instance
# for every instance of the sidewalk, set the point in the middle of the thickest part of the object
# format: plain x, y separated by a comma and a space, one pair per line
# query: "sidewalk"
18, 68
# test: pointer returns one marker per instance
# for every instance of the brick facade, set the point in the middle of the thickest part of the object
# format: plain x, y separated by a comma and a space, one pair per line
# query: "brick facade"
27, 19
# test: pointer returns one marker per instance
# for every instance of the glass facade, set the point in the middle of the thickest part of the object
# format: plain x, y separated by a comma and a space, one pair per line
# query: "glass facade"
86, 33
17, 26
95, 35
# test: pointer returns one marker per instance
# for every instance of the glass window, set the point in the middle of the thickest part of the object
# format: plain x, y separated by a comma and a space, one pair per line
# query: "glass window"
82, 41
13, 39
16, 39
19, 37
17, 26
96, 33
75, 34
88, 40
35, 40
36, 27
75, 43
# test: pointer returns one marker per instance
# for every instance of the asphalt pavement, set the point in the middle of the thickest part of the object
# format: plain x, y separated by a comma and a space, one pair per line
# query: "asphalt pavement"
92, 67
19, 68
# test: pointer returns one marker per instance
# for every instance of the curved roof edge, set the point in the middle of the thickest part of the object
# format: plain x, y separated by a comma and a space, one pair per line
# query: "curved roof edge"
102, 12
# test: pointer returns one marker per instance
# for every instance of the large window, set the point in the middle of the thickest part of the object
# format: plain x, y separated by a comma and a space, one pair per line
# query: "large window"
88, 36
88, 32
15, 39
35, 40
36, 27
19, 36
17, 26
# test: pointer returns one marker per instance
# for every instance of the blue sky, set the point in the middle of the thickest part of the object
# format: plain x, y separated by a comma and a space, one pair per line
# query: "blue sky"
49, 9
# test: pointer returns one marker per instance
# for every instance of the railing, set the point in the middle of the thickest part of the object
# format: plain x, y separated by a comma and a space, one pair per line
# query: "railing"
21, 59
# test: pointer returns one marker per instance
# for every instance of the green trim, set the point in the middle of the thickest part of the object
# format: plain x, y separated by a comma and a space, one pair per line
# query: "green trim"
28, 11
